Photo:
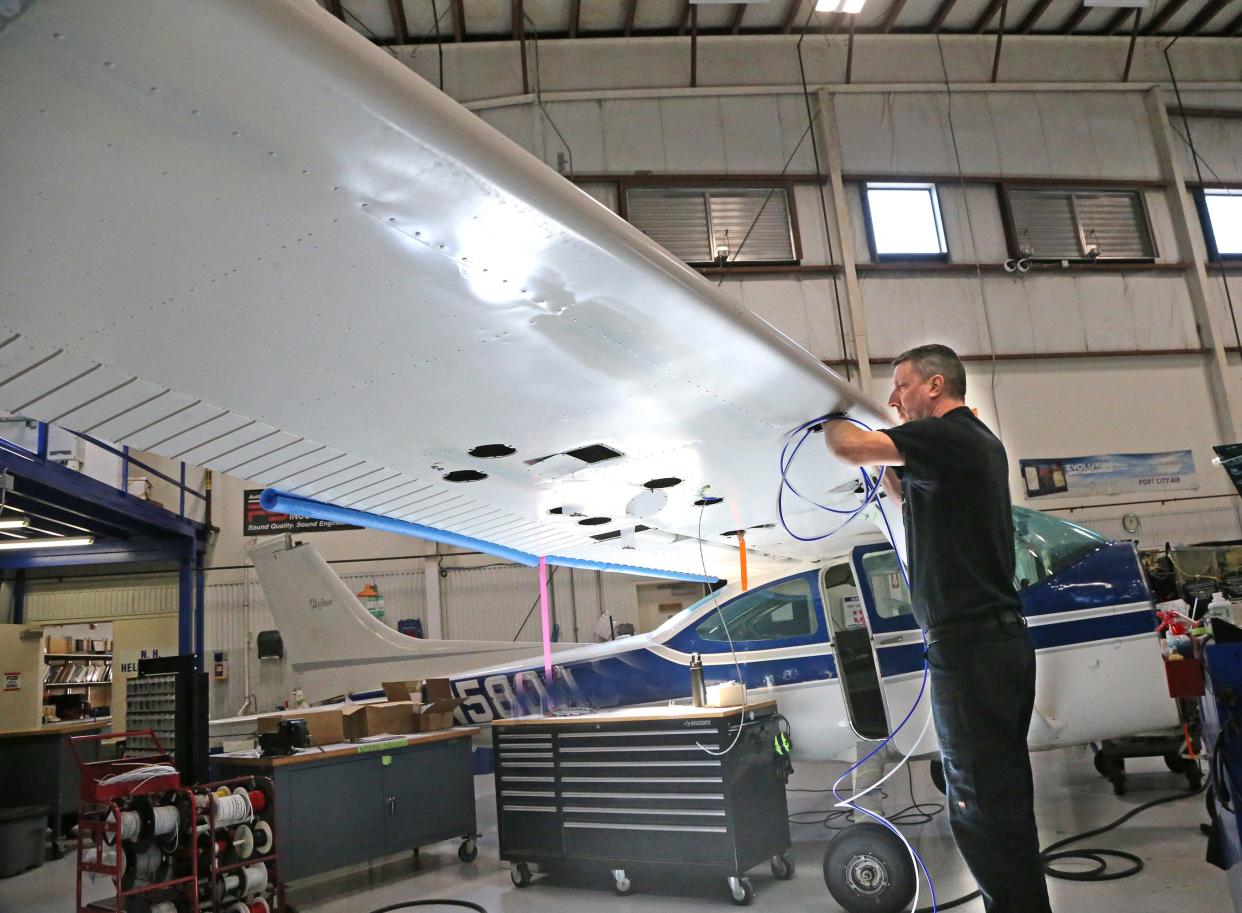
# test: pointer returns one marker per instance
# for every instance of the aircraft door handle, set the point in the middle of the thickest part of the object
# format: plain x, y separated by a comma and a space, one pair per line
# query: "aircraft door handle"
892, 639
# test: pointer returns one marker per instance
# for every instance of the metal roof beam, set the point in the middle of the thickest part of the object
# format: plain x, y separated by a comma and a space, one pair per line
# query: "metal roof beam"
1204, 16
1037, 12
1169, 10
942, 13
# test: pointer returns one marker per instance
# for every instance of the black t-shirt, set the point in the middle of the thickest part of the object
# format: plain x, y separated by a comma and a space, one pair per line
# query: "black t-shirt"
959, 524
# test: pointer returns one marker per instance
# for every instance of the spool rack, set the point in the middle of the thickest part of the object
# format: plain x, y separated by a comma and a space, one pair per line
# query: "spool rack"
151, 871
228, 855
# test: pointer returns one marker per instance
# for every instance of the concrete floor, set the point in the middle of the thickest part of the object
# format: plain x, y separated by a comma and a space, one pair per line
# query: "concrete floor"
1072, 798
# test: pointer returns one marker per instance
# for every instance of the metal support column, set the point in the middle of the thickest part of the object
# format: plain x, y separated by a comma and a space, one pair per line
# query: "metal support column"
830, 137
200, 615
1212, 333
19, 596
185, 603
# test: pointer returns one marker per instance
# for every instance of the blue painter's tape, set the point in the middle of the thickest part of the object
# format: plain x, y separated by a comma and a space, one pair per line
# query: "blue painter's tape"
584, 564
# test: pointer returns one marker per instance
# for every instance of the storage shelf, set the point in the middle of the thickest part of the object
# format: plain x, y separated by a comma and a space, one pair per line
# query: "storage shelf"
47, 656
76, 684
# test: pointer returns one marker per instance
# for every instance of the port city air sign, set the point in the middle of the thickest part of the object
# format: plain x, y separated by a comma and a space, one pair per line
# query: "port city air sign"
1109, 474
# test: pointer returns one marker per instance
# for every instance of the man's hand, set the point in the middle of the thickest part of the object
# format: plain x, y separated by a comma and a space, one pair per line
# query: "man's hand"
856, 447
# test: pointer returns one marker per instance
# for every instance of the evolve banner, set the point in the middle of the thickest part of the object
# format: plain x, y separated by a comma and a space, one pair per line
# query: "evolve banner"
1109, 474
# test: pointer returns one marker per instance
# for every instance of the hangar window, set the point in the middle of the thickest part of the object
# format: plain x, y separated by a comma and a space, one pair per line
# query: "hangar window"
717, 225
903, 221
1220, 209
1080, 225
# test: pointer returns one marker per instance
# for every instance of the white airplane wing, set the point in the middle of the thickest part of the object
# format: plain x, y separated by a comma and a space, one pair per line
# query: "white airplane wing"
237, 234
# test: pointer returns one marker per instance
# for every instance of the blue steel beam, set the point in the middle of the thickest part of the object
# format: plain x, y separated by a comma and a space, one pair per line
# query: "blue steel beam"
100, 494
99, 553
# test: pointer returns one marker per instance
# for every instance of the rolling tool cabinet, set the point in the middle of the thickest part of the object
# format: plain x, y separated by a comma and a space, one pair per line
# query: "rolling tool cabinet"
644, 787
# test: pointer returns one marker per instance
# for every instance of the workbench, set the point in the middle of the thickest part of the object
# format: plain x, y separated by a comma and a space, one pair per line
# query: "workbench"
37, 768
353, 802
644, 787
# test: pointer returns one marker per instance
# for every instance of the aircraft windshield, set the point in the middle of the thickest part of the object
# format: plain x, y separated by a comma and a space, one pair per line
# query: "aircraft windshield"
674, 622
1044, 545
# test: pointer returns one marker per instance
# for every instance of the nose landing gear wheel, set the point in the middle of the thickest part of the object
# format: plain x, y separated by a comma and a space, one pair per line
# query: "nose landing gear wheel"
867, 870
520, 875
741, 890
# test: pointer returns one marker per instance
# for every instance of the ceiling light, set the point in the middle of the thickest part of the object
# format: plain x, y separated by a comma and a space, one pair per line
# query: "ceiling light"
839, 6
15, 523
55, 542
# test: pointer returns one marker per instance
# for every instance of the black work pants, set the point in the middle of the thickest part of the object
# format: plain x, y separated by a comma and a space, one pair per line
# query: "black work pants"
983, 691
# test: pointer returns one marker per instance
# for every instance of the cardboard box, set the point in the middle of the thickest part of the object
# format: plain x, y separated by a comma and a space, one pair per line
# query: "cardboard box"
379, 718
433, 699
59, 644
325, 724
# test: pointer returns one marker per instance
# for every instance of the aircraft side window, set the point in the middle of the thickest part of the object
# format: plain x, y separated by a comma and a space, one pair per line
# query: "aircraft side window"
1044, 545
888, 586
773, 613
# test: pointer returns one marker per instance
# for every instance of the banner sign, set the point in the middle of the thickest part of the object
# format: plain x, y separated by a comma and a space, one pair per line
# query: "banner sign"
259, 522
1109, 474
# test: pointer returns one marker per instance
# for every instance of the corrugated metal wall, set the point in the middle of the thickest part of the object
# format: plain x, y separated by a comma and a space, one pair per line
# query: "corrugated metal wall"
1181, 526
492, 603
65, 600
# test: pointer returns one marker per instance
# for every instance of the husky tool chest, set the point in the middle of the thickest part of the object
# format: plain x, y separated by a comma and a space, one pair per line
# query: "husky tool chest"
644, 787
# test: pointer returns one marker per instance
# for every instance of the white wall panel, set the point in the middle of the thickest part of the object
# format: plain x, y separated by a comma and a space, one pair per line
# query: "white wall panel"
805, 310
582, 126
632, 136
693, 135
752, 126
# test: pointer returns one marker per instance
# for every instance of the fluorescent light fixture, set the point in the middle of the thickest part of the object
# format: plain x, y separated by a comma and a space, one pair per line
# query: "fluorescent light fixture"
17, 523
839, 6
55, 542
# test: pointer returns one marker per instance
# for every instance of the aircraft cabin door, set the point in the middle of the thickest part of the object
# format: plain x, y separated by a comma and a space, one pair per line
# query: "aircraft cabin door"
854, 655
895, 636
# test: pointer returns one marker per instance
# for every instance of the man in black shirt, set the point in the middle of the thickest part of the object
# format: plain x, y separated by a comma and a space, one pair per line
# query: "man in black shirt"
954, 494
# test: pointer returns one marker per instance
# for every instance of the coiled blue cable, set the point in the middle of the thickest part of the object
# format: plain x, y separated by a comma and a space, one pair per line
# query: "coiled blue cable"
871, 489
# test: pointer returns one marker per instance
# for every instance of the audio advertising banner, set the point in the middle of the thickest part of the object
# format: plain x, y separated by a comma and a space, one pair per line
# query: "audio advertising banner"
260, 522
1109, 474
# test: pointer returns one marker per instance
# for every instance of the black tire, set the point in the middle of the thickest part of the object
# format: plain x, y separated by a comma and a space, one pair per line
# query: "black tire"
744, 895
1101, 765
783, 867
936, 769
868, 870
1178, 764
520, 875
468, 851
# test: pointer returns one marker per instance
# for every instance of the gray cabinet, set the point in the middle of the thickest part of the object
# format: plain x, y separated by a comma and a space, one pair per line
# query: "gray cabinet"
350, 805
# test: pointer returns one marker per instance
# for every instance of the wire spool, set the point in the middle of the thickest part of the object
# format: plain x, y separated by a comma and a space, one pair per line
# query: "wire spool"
260, 905
243, 842
131, 826
238, 907
144, 866
166, 906
258, 799
255, 878
233, 809
262, 838
230, 885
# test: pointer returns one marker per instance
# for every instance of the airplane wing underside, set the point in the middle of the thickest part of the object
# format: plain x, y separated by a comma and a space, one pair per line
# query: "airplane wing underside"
239, 235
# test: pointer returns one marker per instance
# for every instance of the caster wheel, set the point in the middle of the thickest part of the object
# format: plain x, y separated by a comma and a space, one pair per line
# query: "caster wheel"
57, 849
621, 882
937, 776
520, 875
783, 867
866, 868
468, 851
741, 890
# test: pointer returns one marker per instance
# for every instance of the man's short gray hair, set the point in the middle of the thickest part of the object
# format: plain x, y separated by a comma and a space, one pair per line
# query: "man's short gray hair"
933, 359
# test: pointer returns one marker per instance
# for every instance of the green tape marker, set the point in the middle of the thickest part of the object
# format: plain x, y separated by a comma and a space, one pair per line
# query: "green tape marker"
383, 746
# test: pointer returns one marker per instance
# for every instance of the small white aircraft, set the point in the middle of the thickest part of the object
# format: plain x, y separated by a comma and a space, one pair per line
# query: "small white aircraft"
244, 237
835, 644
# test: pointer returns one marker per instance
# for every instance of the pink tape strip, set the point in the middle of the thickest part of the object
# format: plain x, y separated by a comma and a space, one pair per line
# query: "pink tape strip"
547, 624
